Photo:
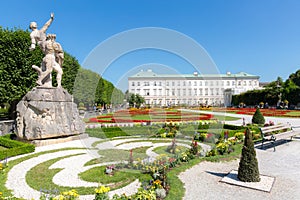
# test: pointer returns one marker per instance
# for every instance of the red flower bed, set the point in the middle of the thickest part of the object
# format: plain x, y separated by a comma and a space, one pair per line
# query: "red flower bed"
124, 116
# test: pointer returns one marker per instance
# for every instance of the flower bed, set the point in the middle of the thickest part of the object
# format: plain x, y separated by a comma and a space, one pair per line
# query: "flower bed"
149, 116
271, 112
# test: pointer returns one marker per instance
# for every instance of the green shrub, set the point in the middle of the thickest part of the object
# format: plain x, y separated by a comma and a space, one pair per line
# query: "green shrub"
248, 166
239, 136
232, 127
258, 118
210, 126
14, 148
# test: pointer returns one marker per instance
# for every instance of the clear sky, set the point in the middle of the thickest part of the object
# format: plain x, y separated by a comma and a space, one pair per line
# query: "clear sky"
255, 36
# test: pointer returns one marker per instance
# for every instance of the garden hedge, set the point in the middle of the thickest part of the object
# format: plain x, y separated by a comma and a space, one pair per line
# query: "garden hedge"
14, 147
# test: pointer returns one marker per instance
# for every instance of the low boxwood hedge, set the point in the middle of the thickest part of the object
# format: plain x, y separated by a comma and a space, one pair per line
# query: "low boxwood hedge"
14, 147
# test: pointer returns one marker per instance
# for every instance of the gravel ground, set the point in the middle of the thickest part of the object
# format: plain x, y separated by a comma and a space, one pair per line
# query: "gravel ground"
203, 180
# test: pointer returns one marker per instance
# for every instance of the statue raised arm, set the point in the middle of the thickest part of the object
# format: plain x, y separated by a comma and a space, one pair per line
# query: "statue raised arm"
39, 36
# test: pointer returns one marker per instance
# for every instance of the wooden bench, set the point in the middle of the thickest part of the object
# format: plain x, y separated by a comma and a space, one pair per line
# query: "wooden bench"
276, 132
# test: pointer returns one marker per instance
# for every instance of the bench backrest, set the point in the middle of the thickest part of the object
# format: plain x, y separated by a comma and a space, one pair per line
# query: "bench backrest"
270, 129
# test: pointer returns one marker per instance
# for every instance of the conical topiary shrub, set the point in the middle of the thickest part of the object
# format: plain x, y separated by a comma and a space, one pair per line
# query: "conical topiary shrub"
248, 167
258, 118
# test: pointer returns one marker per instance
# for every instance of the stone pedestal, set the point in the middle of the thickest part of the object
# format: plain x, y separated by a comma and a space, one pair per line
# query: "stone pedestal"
48, 112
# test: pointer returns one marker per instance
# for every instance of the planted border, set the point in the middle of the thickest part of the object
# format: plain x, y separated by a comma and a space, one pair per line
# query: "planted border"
14, 147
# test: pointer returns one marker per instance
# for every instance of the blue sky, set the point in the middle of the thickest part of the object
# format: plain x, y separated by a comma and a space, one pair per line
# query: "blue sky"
257, 37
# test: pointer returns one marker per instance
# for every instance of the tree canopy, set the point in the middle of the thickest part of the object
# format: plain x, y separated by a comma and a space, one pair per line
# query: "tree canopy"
90, 88
17, 76
288, 90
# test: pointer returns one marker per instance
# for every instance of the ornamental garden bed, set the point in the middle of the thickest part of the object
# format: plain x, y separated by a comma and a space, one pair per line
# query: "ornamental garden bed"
9, 147
149, 116
266, 112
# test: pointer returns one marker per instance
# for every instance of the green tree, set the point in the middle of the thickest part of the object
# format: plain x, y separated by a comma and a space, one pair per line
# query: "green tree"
248, 166
16, 75
139, 100
107, 94
85, 86
91, 88
258, 118
135, 100
295, 77
131, 100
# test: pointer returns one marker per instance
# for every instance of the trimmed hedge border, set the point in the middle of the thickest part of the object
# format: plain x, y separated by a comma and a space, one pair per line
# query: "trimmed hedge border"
14, 147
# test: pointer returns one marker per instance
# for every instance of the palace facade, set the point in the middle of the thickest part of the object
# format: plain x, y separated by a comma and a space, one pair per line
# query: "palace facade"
190, 89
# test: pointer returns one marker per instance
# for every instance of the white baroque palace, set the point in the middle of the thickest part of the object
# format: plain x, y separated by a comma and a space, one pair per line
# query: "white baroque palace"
190, 89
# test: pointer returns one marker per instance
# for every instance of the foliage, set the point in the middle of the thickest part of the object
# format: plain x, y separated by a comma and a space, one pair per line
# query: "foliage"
102, 193
289, 90
168, 130
106, 132
106, 93
248, 167
258, 118
210, 125
135, 100
143, 194
172, 147
14, 148
195, 148
68, 195
16, 74
239, 136
90, 88
295, 77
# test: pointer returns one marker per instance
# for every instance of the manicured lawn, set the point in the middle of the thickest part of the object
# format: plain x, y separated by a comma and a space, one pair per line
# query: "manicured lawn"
163, 150
2, 148
115, 155
119, 177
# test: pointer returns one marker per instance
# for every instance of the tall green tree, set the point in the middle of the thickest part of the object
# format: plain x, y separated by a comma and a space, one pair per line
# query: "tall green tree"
85, 85
248, 166
90, 88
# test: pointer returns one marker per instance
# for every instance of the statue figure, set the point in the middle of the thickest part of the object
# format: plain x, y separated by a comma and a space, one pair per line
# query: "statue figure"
39, 36
54, 54
53, 60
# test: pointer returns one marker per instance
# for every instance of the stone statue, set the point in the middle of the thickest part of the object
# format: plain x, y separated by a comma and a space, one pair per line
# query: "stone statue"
39, 36
47, 112
54, 54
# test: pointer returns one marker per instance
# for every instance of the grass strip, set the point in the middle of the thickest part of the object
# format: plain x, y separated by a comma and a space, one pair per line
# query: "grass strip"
97, 174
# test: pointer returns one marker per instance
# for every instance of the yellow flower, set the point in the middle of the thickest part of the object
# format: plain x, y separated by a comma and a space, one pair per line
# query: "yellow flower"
102, 190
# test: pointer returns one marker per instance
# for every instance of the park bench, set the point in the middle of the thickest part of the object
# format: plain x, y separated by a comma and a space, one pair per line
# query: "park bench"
276, 132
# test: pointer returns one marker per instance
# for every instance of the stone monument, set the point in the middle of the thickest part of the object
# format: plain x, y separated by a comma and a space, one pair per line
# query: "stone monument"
47, 112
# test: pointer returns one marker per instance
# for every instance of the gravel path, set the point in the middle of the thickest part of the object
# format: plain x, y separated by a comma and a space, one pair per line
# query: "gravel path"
202, 180
71, 166
16, 179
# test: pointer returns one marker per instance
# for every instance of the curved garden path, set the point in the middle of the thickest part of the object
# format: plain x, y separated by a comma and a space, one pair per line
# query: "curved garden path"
73, 162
